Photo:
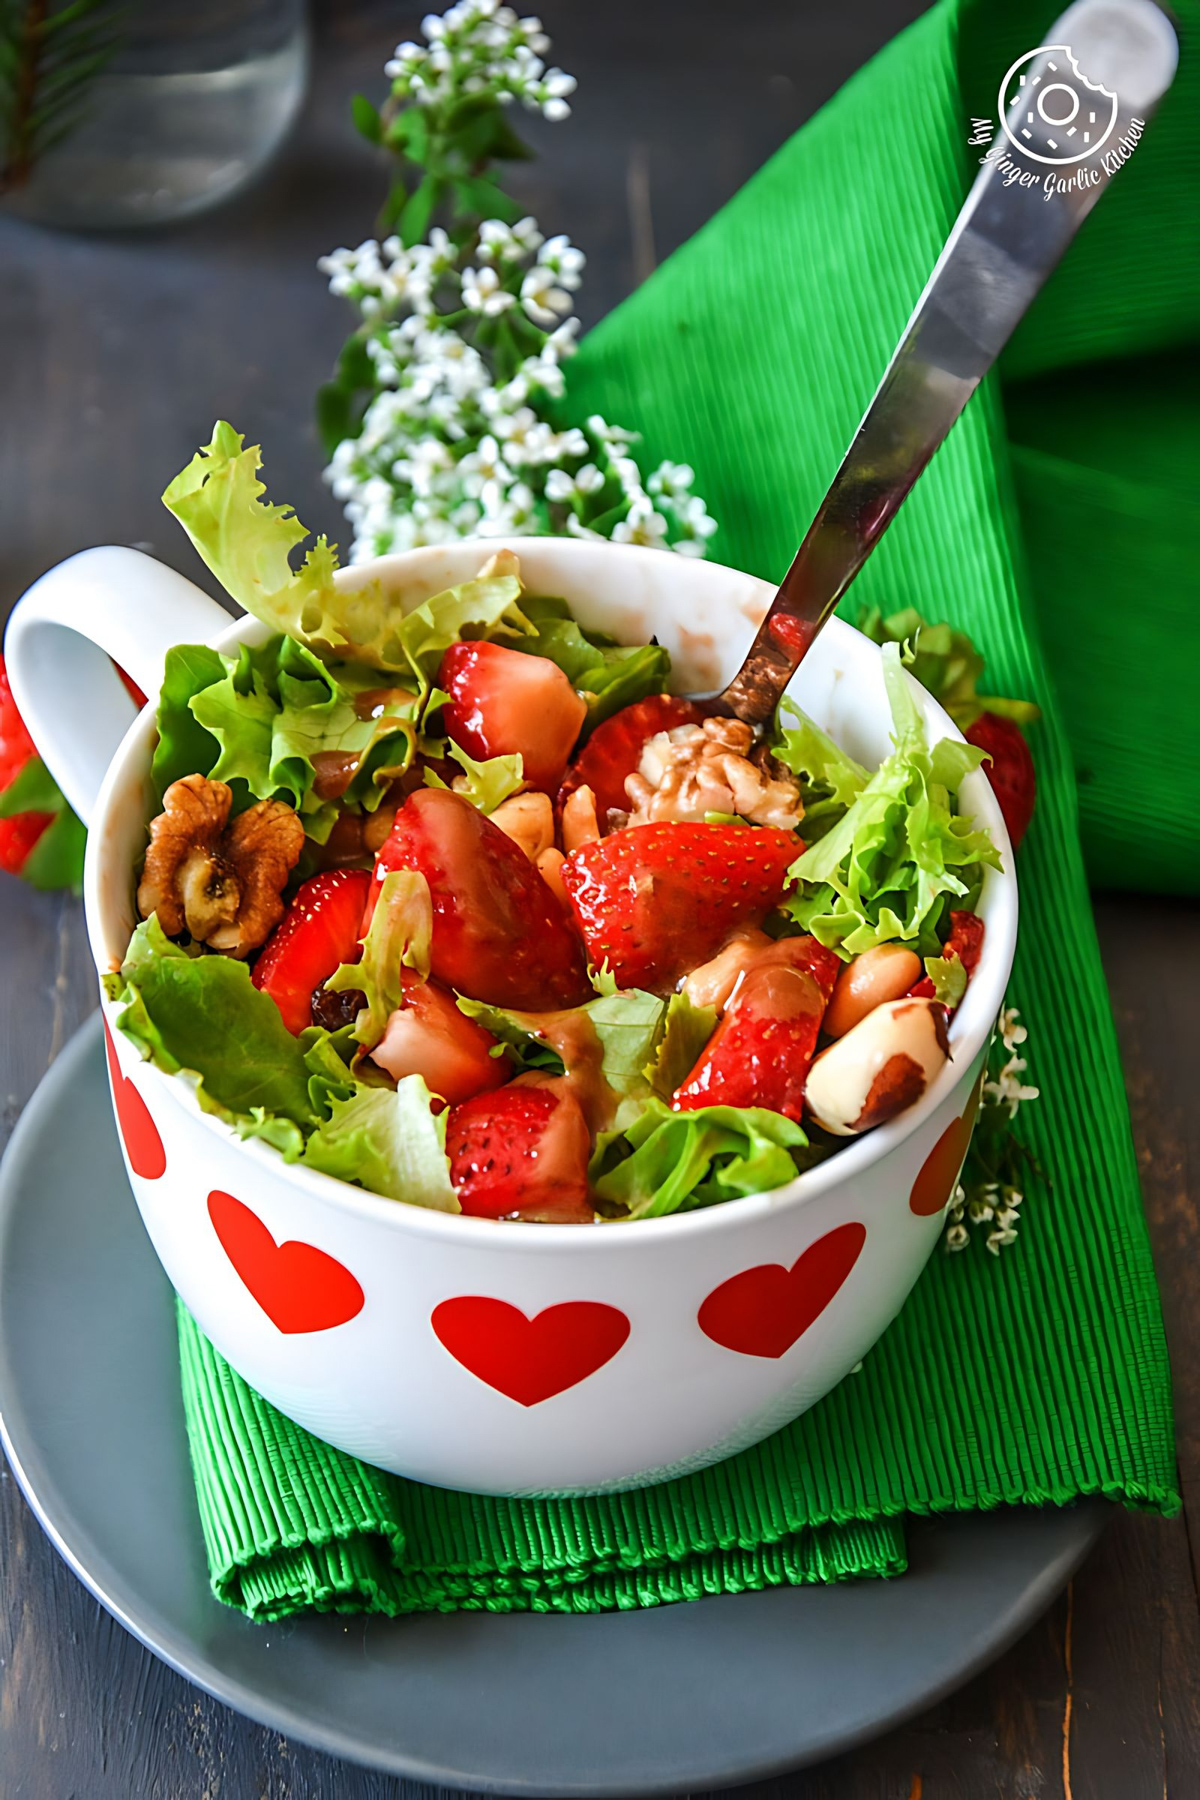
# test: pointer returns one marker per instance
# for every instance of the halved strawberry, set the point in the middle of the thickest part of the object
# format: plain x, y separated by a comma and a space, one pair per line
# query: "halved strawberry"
1011, 771
521, 1151
654, 901
17, 835
499, 934
615, 748
429, 1036
320, 929
965, 942
503, 701
760, 1053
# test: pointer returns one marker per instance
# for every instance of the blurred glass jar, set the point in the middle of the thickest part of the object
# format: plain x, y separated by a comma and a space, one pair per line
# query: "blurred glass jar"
194, 100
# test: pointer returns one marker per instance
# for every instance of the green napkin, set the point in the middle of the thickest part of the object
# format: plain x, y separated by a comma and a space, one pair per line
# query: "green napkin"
1039, 1377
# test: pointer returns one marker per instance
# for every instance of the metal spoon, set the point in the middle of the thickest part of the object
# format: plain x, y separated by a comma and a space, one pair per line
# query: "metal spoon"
1005, 242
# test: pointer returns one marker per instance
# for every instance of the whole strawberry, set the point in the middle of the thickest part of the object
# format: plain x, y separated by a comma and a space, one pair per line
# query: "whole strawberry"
1010, 771
40, 837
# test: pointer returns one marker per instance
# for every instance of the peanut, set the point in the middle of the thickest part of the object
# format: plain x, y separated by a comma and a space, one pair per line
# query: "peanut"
885, 973
528, 819
579, 823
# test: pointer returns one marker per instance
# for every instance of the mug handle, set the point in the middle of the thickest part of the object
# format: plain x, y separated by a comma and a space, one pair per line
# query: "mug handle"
101, 604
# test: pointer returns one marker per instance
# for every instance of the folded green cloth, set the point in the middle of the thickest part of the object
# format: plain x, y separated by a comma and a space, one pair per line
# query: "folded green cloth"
1040, 1376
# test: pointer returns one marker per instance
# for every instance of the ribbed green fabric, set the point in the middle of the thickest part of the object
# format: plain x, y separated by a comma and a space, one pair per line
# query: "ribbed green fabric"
1038, 1377
291, 1524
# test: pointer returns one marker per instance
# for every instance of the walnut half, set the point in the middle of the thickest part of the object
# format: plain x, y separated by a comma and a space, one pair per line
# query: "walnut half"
223, 882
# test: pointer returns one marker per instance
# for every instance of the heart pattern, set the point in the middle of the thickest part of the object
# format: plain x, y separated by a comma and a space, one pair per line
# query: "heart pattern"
942, 1167
529, 1359
139, 1133
299, 1287
765, 1310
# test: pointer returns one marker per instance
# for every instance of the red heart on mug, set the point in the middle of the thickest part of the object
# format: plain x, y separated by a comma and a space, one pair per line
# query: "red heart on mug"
299, 1287
942, 1167
765, 1310
139, 1133
529, 1359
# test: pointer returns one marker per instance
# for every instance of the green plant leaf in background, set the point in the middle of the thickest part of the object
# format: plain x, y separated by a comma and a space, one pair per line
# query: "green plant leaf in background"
49, 58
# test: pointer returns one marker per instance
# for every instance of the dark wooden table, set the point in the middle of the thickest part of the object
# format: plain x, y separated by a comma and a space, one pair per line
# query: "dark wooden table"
115, 356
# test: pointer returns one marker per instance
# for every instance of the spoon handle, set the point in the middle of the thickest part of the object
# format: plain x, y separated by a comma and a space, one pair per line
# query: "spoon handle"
1005, 242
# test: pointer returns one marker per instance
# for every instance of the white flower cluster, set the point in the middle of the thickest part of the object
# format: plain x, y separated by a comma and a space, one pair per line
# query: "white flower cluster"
995, 1203
479, 46
466, 338
1007, 1089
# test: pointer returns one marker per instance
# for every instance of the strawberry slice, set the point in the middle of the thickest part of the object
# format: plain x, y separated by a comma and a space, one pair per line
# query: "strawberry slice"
965, 942
760, 1053
654, 901
499, 933
503, 701
429, 1036
614, 749
523, 1152
18, 835
320, 929
1011, 771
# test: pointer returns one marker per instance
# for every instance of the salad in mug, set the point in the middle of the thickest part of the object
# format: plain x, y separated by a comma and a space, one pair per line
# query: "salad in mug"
464, 906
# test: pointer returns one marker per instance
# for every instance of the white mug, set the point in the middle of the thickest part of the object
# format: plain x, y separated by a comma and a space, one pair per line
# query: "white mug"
503, 1358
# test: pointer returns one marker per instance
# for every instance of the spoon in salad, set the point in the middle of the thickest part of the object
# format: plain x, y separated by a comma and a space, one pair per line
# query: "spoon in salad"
1006, 241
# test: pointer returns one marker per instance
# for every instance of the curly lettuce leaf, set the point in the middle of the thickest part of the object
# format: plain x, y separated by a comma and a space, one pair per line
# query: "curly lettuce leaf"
399, 938
830, 780
201, 1016
620, 1028
686, 1030
888, 868
945, 662
277, 708
488, 784
607, 674
669, 1162
247, 543
391, 1141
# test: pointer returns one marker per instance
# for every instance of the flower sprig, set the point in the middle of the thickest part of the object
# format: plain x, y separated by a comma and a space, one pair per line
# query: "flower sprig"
991, 1189
441, 419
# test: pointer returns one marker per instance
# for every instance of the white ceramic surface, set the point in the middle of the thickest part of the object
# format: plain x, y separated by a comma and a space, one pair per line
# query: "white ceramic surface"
659, 1382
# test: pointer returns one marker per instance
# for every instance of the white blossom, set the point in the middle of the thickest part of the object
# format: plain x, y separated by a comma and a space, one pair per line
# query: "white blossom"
482, 293
641, 525
543, 300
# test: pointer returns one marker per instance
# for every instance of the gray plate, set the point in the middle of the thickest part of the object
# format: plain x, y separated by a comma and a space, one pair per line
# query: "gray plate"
681, 1697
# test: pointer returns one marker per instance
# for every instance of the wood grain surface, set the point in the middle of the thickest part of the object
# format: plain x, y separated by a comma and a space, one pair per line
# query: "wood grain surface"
116, 354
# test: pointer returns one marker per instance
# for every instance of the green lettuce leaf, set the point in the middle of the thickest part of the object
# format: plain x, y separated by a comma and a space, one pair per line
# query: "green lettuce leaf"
889, 867
608, 675
949, 979
830, 781
184, 747
202, 1016
686, 1030
399, 937
623, 1025
277, 708
247, 543
390, 1141
669, 1162
945, 662
489, 783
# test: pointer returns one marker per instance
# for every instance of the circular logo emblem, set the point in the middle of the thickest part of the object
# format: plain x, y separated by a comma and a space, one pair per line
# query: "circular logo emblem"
1050, 111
